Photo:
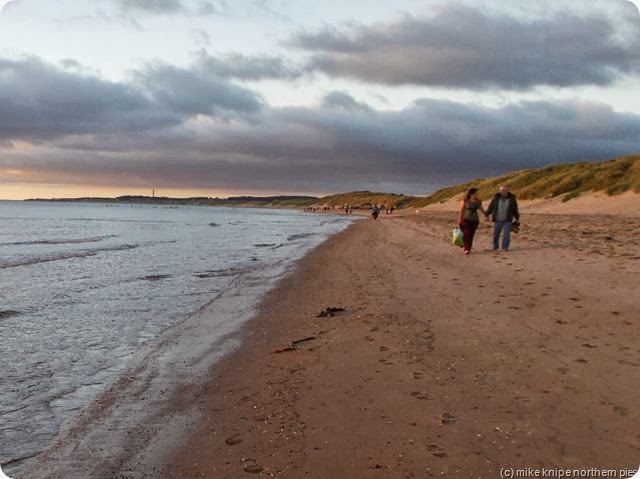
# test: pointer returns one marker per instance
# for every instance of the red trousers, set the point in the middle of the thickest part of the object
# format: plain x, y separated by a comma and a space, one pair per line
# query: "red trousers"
469, 228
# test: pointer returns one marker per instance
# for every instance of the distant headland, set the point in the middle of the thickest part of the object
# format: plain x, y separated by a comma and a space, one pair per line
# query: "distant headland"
274, 201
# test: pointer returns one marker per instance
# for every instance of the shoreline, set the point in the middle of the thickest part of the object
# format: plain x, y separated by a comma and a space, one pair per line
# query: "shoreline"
144, 407
383, 387
440, 364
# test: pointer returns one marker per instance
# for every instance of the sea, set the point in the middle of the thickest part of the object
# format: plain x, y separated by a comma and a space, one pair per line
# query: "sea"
90, 291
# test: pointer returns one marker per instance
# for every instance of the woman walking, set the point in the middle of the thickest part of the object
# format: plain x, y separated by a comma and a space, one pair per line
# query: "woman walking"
468, 219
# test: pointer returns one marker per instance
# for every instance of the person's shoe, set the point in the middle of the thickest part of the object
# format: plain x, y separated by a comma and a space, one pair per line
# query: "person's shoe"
467, 251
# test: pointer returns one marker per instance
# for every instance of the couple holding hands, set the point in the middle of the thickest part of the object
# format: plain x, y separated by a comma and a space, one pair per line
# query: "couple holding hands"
503, 210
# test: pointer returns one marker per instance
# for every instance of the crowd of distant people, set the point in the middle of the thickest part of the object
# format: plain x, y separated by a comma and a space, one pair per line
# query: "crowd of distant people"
318, 209
348, 210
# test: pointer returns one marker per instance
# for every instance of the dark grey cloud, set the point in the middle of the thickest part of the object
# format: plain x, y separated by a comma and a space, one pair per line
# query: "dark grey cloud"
40, 102
199, 128
154, 6
341, 99
441, 136
211, 8
191, 92
433, 142
161, 7
460, 46
342, 145
242, 67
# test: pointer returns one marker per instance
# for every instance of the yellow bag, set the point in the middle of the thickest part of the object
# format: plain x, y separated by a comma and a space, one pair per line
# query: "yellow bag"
457, 238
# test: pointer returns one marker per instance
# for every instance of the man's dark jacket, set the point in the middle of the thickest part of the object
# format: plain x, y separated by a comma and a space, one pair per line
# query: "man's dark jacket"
513, 207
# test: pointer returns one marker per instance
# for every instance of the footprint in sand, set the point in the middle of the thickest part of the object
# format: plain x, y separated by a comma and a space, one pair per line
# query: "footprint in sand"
623, 411
232, 441
253, 468
437, 451
448, 418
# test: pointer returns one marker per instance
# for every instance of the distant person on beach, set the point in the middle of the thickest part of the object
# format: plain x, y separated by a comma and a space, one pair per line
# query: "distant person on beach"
503, 210
375, 212
468, 219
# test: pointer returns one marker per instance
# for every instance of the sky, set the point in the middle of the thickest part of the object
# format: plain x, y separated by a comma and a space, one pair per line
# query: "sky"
230, 97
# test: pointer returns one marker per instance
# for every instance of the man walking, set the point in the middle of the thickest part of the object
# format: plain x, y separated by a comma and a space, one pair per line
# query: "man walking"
503, 209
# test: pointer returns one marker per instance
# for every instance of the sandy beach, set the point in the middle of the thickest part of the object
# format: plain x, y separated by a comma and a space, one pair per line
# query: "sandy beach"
433, 364
440, 365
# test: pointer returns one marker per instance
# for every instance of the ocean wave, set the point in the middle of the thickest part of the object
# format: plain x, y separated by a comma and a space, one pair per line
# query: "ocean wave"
300, 236
220, 273
94, 239
156, 277
30, 260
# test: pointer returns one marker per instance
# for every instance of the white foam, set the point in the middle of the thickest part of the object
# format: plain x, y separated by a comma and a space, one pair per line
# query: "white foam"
3, 475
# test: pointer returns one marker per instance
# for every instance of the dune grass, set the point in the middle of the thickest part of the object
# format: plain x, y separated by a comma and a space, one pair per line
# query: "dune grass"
568, 180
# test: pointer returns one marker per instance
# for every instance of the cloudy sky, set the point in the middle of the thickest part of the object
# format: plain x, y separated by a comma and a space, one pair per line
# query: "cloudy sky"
220, 97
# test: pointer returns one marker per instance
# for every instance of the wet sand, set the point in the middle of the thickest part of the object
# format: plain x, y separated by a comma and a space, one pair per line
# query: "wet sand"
441, 365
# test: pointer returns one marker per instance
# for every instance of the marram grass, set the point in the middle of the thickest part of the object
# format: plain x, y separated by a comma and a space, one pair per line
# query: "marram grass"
567, 180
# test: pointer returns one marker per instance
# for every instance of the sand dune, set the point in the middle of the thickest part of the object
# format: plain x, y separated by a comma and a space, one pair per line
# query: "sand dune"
625, 204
